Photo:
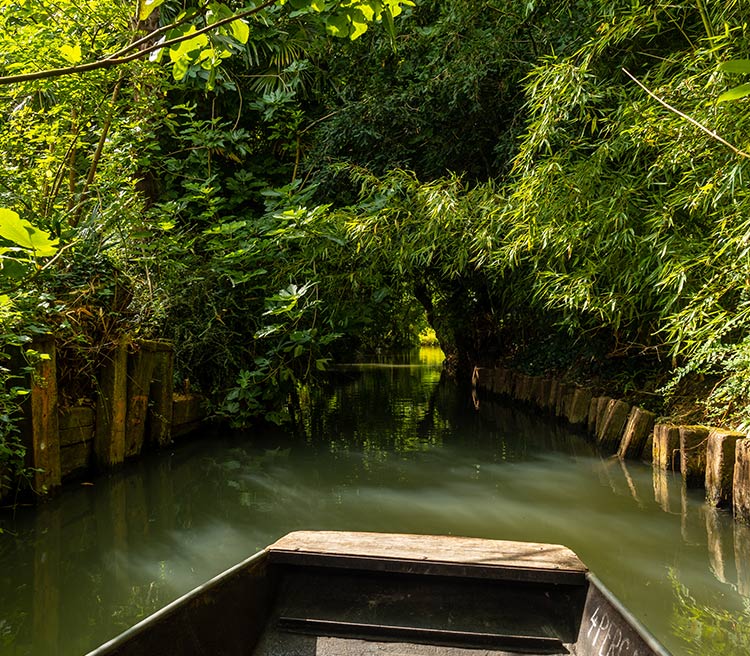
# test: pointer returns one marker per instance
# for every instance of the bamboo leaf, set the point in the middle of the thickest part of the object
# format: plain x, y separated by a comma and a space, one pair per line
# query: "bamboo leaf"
736, 93
735, 66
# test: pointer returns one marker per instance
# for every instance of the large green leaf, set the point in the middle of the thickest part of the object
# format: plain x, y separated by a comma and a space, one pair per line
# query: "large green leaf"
20, 232
736, 93
240, 31
146, 8
735, 66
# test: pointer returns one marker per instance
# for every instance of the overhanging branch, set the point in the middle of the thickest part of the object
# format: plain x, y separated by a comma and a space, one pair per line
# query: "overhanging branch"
115, 60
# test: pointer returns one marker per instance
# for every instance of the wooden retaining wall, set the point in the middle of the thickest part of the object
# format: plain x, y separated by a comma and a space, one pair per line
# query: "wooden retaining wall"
713, 458
135, 409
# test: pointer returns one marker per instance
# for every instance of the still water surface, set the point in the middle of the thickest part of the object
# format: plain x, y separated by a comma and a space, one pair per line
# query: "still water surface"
387, 447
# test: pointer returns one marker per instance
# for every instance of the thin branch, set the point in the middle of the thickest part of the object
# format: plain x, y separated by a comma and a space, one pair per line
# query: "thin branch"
711, 133
109, 62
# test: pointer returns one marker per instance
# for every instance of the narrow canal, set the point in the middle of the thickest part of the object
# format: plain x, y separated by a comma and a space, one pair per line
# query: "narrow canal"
387, 447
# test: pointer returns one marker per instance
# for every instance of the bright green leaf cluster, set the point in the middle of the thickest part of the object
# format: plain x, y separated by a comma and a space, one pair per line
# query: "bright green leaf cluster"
735, 66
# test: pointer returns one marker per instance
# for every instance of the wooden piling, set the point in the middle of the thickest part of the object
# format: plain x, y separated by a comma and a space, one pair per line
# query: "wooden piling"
162, 397
565, 396
611, 424
141, 365
637, 430
501, 382
578, 411
111, 409
76, 438
693, 441
741, 481
666, 447
45, 431
720, 458
593, 415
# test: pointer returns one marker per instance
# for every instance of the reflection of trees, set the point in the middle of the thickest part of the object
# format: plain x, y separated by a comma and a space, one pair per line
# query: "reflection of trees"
706, 630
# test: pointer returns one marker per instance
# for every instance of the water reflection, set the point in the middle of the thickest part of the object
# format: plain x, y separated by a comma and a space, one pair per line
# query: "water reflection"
385, 448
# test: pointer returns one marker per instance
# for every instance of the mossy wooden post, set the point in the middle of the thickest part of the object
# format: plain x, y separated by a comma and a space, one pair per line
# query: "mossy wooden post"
565, 395
111, 409
579, 406
693, 441
162, 396
666, 447
611, 424
593, 416
637, 430
45, 428
544, 393
141, 365
741, 485
720, 457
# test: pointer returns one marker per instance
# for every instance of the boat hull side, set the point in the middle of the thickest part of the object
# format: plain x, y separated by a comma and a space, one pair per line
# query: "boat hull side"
609, 629
224, 616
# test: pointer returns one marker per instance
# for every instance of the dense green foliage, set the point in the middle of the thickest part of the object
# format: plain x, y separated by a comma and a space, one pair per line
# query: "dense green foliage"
535, 180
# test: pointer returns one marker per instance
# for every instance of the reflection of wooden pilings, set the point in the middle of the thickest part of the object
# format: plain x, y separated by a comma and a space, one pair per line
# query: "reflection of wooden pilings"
720, 457
631, 483
662, 478
741, 559
693, 440
720, 546
46, 612
111, 409
692, 528
741, 484
44, 420
637, 430
666, 447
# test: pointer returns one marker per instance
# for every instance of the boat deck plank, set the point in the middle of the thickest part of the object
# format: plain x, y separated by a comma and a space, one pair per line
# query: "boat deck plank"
449, 550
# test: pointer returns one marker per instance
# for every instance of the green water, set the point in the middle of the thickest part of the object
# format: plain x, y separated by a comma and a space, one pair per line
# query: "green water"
387, 447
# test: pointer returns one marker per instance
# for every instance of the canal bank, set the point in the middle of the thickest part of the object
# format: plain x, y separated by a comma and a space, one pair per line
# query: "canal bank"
388, 447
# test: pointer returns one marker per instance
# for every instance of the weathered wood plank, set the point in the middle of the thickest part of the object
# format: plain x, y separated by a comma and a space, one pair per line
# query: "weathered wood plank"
741, 483
111, 409
76, 425
162, 398
430, 548
611, 424
693, 442
637, 430
579, 406
45, 427
720, 457
141, 365
666, 447
76, 457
